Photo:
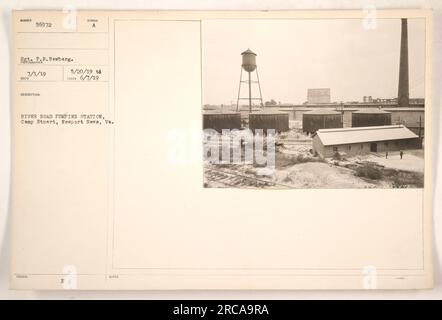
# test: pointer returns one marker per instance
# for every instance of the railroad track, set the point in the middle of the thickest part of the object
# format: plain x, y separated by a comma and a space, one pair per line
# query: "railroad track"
235, 179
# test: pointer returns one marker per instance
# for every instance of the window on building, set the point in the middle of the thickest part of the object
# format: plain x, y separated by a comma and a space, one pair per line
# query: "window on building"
348, 147
335, 149
386, 144
362, 146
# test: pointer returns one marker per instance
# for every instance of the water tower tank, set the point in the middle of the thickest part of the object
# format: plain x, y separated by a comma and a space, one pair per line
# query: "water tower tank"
249, 60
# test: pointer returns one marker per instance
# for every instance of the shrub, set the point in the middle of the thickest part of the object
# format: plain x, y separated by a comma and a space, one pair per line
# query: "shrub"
369, 171
406, 179
336, 156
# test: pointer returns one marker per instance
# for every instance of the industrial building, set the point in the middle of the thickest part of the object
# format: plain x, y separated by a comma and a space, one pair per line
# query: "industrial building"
367, 99
220, 121
278, 121
318, 95
412, 118
370, 117
363, 140
321, 119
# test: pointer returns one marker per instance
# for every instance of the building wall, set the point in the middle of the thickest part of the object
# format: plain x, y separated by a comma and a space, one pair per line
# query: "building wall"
351, 150
220, 121
410, 119
321, 95
346, 118
290, 111
278, 121
312, 122
299, 114
356, 149
373, 119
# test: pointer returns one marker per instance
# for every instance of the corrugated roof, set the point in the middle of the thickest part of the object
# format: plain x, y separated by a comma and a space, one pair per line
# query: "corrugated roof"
322, 112
371, 111
364, 134
248, 51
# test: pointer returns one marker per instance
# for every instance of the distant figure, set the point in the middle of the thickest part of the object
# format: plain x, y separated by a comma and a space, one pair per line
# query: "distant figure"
401, 154
386, 154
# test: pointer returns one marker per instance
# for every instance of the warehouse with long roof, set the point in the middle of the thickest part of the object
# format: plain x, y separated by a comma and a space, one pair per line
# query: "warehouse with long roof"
363, 140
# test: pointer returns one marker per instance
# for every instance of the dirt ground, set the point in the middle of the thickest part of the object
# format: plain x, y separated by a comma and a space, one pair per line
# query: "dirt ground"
321, 175
297, 167
412, 160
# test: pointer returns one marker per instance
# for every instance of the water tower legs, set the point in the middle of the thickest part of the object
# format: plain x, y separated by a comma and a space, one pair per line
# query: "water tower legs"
250, 93
239, 91
250, 97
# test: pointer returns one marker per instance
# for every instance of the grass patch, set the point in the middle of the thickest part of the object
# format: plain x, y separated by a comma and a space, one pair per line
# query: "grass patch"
370, 171
405, 179
397, 178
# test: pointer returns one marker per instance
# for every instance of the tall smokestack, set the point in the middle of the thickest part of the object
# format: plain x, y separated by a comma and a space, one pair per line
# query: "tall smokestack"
403, 90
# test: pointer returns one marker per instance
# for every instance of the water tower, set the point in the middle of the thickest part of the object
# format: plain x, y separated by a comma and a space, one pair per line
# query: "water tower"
249, 65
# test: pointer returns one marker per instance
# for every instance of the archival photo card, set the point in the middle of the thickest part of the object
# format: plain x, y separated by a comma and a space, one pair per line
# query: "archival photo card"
319, 103
221, 150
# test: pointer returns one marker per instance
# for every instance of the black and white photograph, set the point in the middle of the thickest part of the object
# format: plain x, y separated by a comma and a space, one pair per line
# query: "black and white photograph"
313, 103
235, 153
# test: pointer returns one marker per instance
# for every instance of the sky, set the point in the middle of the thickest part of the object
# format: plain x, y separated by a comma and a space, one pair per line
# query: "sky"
294, 55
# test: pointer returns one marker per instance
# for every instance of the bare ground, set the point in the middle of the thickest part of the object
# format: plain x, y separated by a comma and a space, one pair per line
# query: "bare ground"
297, 167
